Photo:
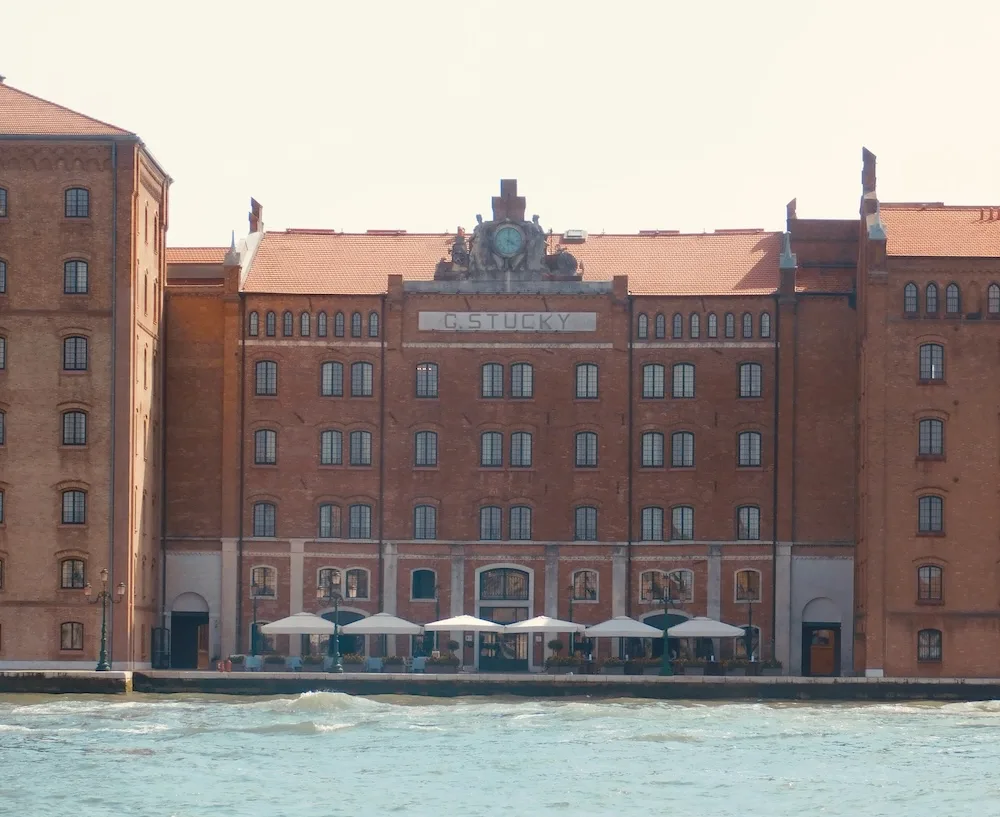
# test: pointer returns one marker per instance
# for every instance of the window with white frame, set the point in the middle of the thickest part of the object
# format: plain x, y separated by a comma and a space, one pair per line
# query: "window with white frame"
585, 585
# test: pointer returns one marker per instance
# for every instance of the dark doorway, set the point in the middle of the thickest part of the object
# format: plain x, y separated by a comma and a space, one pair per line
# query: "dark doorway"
636, 647
503, 652
821, 649
348, 644
188, 637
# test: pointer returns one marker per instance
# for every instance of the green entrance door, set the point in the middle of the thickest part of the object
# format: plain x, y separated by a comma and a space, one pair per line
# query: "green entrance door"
506, 652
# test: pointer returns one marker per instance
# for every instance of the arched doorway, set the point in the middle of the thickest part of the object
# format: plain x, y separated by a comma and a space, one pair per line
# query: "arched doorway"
189, 632
504, 595
634, 647
320, 644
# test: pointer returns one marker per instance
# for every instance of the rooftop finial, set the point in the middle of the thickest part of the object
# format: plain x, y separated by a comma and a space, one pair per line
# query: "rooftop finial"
788, 259
232, 242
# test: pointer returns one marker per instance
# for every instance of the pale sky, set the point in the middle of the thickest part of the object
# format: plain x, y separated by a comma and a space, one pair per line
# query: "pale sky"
614, 116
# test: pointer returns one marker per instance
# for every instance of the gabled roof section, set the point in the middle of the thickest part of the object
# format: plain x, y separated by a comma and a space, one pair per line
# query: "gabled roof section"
196, 255
22, 114
324, 262
938, 230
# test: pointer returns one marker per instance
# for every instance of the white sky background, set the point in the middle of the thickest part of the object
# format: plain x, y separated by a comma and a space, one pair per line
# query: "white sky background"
613, 116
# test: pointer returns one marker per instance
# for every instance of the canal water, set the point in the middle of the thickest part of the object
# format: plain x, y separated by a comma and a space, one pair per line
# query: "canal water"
324, 754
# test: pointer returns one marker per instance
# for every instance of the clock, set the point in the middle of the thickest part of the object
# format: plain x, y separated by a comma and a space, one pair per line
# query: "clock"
507, 241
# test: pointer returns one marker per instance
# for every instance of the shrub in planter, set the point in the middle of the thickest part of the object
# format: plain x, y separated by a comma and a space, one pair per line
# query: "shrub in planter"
612, 666
770, 667
274, 659
556, 646
237, 660
453, 645
446, 662
736, 666
562, 664
392, 663
689, 666
312, 660
353, 662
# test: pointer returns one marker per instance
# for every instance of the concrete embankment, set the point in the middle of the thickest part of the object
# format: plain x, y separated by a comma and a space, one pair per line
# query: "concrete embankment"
709, 688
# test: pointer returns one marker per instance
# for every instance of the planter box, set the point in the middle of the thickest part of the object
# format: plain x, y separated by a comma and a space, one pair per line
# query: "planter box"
736, 673
612, 670
562, 670
693, 671
655, 670
393, 668
354, 667
441, 669
772, 671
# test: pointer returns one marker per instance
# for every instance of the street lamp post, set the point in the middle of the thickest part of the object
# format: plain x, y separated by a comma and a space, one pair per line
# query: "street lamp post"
104, 597
666, 667
437, 612
748, 638
331, 592
572, 635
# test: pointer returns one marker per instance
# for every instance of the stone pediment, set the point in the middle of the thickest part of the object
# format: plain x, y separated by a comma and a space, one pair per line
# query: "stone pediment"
508, 248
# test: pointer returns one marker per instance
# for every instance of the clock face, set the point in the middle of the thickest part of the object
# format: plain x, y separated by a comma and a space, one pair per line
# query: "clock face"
507, 240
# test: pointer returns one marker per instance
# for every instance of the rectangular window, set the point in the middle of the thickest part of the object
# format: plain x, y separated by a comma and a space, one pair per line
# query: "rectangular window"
263, 582
652, 524
75, 278
520, 449
652, 381
427, 380
586, 381
932, 361
74, 428
930, 513
263, 519
522, 380
332, 379
929, 645
652, 449
361, 448
682, 522
266, 378
749, 444
683, 380
3, 353
329, 522
931, 438
586, 449
750, 380
748, 522
71, 636
361, 522
426, 449
492, 380
331, 448
585, 529
361, 380
77, 203
74, 508
520, 522
491, 455
682, 449
425, 522
75, 354
265, 447
489, 523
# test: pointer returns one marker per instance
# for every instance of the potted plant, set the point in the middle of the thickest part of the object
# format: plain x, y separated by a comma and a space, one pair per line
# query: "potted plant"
689, 666
650, 665
237, 660
735, 667
453, 645
312, 660
612, 666
562, 664
771, 666
444, 664
392, 663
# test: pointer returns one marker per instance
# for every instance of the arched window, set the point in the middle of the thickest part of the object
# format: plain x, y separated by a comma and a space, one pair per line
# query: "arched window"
748, 522
765, 325
321, 325
930, 514
265, 445
681, 584
660, 326
520, 449
71, 635
652, 449
75, 278
522, 380
3, 277
269, 324
931, 361
361, 448
656, 586
993, 299
490, 521
682, 522
586, 449
3, 353
652, 585
71, 574
747, 586
75, 354
683, 386
287, 324
373, 324
930, 440
503, 584
338, 325
331, 379
747, 325
331, 447
730, 325
329, 521
425, 449
929, 645
931, 299
695, 326
74, 428
677, 328
585, 585
425, 522
3, 428
263, 519
713, 325
3, 202
682, 449
253, 325
491, 449
910, 296
520, 522
266, 378
750, 379
329, 577
586, 381
952, 299
930, 583
423, 584
652, 381
77, 203
356, 583
362, 379
356, 325
74, 507
492, 380
304, 327
263, 582
642, 326
652, 524
749, 449
585, 524
360, 522
427, 380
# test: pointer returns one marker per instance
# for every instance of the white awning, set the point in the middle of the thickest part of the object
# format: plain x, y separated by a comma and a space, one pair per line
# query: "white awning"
381, 624
622, 627
469, 624
702, 627
308, 623
544, 624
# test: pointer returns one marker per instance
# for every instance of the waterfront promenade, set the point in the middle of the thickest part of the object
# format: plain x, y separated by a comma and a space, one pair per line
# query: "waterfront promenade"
715, 688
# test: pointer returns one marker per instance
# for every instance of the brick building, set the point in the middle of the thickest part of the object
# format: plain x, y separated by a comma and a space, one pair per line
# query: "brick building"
748, 425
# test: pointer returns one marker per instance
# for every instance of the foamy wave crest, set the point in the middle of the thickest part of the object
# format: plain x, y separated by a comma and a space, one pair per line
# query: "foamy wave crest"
322, 702
973, 708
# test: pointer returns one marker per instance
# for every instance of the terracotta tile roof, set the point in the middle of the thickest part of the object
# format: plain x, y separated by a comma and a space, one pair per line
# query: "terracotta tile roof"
328, 263
813, 281
22, 114
923, 230
196, 255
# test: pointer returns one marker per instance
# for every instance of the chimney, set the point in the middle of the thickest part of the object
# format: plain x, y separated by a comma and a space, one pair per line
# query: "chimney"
790, 214
256, 216
2, 78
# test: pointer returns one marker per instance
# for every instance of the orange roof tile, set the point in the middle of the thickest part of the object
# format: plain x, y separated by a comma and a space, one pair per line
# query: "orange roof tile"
196, 255
324, 263
923, 230
22, 114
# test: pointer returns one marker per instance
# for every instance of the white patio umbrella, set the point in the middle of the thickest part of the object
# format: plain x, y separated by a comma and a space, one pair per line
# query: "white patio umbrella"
622, 627
702, 627
381, 624
544, 624
469, 624
308, 623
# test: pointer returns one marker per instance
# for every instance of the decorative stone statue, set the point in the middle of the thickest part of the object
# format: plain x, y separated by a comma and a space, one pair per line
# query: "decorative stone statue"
460, 250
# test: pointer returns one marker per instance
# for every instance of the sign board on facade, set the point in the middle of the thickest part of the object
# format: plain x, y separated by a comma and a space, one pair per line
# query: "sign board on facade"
507, 321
